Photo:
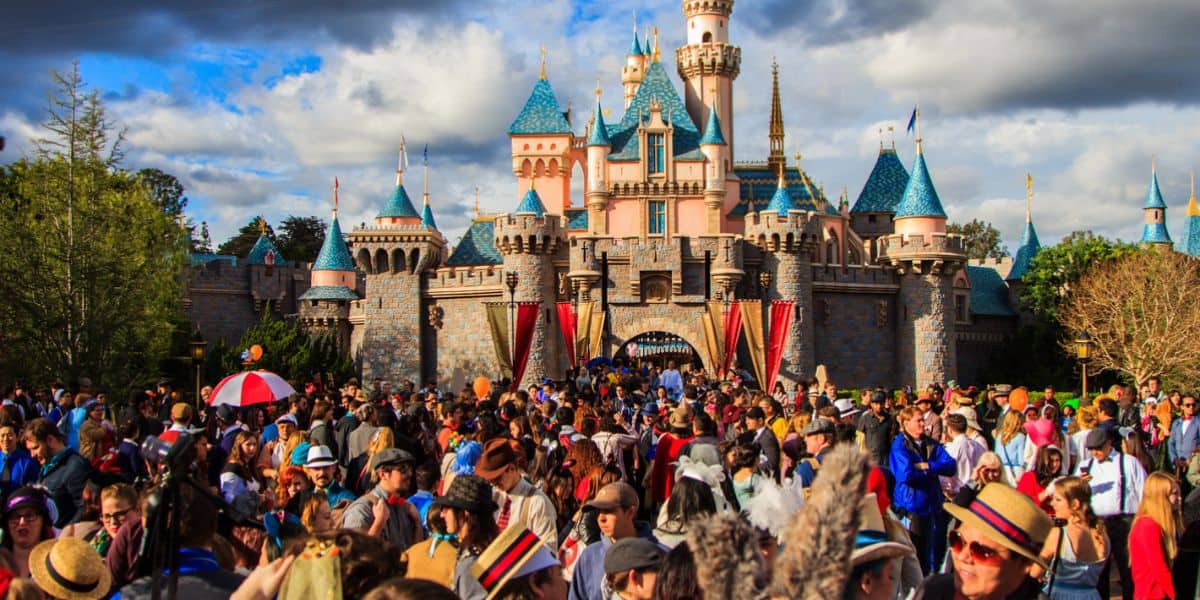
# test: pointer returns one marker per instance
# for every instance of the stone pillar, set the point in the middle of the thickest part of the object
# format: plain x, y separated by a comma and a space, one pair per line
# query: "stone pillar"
792, 280
925, 341
391, 346
528, 245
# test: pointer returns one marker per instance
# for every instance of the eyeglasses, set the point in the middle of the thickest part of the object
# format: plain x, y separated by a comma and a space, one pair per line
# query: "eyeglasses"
115, 517
1189, 405
979, 553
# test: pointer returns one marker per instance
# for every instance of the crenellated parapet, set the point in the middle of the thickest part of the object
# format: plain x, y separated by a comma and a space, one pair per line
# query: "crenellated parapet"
527, 233
797, 231
708, 60
933, 253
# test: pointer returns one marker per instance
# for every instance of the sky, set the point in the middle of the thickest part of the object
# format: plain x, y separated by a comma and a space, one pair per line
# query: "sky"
257, 106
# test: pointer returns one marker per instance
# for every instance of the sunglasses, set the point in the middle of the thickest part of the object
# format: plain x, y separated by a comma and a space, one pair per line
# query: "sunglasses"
979, 553
1189, 405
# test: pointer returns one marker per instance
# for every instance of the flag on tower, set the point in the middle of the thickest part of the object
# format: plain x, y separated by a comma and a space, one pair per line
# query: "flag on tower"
335, 193
426, 153
912, 120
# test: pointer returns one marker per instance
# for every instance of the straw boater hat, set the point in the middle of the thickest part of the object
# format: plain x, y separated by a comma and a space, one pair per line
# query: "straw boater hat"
872, 542
1008, 518
517, 552
69, 568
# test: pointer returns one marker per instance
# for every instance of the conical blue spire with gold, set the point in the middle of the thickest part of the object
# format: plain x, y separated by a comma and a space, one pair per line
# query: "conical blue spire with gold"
427, 216
531, 203
598, 136
1191, 225
398, 204
541, 113
333, 255
1029, 239
781, 202
920, 197
712, 131
635, 48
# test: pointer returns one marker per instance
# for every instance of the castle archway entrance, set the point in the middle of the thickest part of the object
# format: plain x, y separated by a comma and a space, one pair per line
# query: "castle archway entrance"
656, 348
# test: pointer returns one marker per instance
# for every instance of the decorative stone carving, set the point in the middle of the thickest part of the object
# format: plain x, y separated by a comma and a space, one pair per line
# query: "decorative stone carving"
436, 316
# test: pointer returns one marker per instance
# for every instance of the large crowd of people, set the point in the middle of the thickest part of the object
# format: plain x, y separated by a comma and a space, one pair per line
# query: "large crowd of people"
631, 482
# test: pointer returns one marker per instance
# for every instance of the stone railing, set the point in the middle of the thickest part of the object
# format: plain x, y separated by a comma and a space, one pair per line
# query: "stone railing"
935, 243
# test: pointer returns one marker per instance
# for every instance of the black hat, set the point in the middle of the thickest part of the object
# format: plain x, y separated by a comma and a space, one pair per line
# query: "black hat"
878, 397
470, 493
633, 554
389, 457
1096, 439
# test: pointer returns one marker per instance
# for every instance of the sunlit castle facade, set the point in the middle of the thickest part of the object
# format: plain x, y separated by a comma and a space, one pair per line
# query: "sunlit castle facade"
670, 224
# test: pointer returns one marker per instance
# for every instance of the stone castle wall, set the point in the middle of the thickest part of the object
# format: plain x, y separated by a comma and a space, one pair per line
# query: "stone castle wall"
856, 337
225, 300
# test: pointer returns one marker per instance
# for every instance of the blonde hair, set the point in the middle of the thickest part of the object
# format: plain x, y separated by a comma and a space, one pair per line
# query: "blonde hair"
799, 421
1012, 426
308, 512
120, 491
295, 440
1087, 417
1156, 505
383, 438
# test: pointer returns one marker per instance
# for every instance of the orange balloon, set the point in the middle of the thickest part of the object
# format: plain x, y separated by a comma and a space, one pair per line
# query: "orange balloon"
1018, 399
482, 386
256, 352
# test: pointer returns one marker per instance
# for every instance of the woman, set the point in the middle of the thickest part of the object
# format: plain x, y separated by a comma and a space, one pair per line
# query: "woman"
17, 467
359, 477
793, 440
1010, 447
118, 504
238, 483
587, 467
313, 508
29, 517
747, 482
292, 481
1044, 431
779, 393
690, 499
677, 576
613, 440
1078, 550
468, 511
1153, 538
1085, 420
1034, 483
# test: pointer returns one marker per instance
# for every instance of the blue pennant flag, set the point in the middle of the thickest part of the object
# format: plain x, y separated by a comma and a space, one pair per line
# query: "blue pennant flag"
912, 121
426, 153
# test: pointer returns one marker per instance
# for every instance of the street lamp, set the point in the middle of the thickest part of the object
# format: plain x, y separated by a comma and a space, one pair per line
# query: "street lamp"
1083, 352
199, 348
511, 279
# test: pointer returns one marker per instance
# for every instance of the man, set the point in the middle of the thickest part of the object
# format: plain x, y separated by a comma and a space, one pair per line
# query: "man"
383, 512
520, 504
94, 435
1155, 389
360, 438
878, 429
320, 428
916, 461
1117, 480
991, 411
819, 436
933, 423
346, 424
1107, 411
1185, 435
995, 547
63, 472
672, 380
321, 469
756, 423
964, 450
1129, 414
631, 568
617, 505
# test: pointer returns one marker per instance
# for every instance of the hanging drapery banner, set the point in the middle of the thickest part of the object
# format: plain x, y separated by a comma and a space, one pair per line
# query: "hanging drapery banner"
732, 333
527, 316
497, 316
596, 335
781, 324
566, 322
712, 335
583, 317
752, 326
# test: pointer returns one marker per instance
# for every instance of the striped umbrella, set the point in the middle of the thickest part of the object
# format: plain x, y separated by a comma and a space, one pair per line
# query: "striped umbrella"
249, 388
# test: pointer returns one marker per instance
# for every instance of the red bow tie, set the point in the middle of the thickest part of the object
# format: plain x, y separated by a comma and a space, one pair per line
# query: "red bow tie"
395, 500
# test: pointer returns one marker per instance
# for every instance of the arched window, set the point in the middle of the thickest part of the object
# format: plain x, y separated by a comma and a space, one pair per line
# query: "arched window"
707, 37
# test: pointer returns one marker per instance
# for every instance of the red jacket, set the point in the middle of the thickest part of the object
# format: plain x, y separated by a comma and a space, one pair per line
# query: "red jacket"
1148, 561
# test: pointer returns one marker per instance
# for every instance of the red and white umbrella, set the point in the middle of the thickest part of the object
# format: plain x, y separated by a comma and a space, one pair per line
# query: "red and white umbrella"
249, 388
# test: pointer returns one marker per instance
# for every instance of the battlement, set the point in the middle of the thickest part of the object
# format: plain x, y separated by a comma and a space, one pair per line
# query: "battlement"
695, 60
770, 232
995, 263
525, 233
692, 8
933, 243
466, 278
853, 274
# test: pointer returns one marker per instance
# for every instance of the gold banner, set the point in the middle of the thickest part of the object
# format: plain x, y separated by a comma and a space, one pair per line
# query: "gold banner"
752, 328
583, 331
712, 336
596, 335
497, 316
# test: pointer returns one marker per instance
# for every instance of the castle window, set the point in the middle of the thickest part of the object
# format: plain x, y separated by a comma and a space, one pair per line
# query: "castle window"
656, 221
960, 308
656, 153
870, 218
707, 38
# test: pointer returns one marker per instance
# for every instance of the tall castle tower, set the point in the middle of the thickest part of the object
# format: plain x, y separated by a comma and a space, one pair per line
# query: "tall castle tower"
325, 307
395, 253
708, 64
528, 238
1154, 232
787, 237
926, 259
634, 71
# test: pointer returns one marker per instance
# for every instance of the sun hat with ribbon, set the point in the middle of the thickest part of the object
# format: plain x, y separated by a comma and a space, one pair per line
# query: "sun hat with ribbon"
517, 552
1008, 518
69, 568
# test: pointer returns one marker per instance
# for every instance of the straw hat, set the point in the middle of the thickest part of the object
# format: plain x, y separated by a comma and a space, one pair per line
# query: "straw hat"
872, 542
69, 568
517, 552
1008, 518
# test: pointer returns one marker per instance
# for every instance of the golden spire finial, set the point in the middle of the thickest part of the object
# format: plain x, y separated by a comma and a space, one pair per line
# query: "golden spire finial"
892, 133
401, 162
1028, 198
476, 202
262, 225
598, 90
532, 179
917, 125
335, 196
543, 73
656, 54
1193, 209
880, 138
1193, 185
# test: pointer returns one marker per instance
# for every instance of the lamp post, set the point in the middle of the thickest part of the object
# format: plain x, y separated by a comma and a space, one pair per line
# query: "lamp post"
199, 348
1083, 352
511, 279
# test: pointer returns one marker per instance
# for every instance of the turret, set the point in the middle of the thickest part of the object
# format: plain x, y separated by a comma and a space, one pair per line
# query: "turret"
634, 70
925, 258
1029, 239
541, 139
708, 64
873, 211
598, 147
1191, 224
1154, 232
325, 307
399, 209
713, 146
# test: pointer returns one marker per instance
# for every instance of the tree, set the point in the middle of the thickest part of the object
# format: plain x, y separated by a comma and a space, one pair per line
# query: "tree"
980, 239
1054, 269
202, 244
1140, 311
165, 190
289, 351
300, 238
89, 264
239, 245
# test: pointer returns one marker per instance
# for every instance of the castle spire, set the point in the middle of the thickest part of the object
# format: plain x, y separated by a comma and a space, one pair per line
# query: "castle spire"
542, 76
1190, 243
335, 197
476, 202
1030, 245
635, 49
657, 56
401, 163
776, 160
1028, 198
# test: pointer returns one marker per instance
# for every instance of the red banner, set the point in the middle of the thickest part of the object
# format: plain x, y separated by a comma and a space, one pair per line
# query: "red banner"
527, 316
566, 322
733, 332
781, 323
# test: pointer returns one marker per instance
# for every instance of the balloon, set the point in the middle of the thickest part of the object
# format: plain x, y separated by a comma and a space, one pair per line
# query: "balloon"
482, 386
1018, 399
256, 352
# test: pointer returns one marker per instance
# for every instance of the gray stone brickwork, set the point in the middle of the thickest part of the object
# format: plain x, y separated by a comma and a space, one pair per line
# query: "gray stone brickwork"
223, 300
925, 340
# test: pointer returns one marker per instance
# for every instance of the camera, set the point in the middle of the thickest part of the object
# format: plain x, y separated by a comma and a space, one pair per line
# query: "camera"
167, 455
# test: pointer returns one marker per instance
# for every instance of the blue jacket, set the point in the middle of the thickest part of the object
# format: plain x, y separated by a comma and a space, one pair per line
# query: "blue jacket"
587, 578
64, 477
22, 470
919, 492
1179, 445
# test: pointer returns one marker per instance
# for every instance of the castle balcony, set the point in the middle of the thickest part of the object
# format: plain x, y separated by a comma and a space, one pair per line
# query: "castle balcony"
526, 233
920, 253
695, 60
797, 231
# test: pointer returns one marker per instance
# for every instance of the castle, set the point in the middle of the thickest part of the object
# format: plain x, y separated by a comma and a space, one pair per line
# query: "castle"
668, 223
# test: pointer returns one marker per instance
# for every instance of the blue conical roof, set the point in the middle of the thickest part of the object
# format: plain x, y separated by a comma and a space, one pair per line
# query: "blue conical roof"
781, 202
920, 197
263, 247
531, 203
599, 134
712, 131
333, 255
1154, 198
1191, 229
647, 49
1155, 233
1025, 253
885, 185
399, 205
427, 217
541, 113
635, 47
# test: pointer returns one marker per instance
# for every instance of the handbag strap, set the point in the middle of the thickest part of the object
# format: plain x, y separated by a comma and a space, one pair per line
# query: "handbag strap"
1062, 533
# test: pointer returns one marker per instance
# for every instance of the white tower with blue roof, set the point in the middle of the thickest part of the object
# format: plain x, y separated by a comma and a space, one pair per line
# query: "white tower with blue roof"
1154, 232
325, 307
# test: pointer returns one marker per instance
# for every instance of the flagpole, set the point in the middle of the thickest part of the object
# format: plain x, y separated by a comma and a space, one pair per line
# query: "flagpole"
400, 164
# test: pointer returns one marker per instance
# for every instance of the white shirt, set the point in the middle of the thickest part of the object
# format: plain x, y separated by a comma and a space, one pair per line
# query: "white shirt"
1106, 484
530, 508
965, 452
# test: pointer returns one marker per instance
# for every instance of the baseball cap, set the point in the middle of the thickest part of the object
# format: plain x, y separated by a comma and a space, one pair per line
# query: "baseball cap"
288, 418
614, 495
632, 554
